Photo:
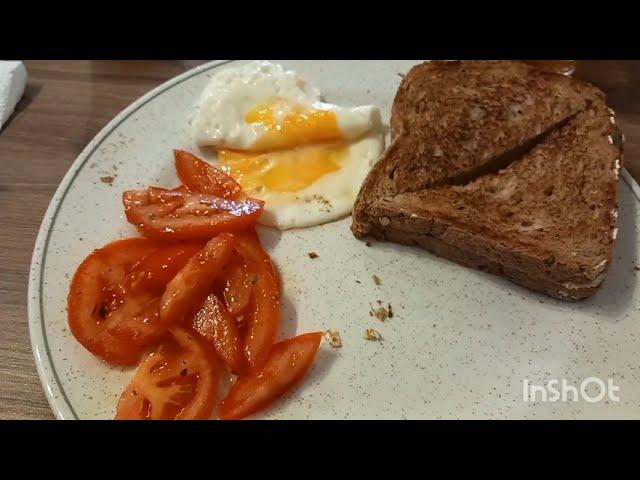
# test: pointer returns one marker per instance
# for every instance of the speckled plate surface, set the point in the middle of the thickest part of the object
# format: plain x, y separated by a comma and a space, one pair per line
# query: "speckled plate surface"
460, 343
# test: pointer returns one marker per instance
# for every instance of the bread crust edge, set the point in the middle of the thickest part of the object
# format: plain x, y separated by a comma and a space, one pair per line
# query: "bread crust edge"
473, 250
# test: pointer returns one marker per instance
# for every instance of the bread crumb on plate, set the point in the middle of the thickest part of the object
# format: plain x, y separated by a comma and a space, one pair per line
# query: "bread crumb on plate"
372, 335
380, 312
333, 337
313, 255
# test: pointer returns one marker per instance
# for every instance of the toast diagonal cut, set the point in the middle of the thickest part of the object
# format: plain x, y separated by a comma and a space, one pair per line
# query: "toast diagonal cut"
453, 121
547, 220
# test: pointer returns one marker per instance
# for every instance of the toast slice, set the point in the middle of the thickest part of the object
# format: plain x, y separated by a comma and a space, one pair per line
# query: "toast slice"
454, 121
547, 221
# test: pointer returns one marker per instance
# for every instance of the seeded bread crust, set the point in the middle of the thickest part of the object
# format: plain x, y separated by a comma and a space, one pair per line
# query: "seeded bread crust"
547, 221
476, 252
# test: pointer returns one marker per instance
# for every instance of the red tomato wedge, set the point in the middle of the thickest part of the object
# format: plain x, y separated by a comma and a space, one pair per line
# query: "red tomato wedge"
176, 215
186, 291
155, 271
100, 305
178, 381
249, 247
215, 324
287, 364
263, 316
136, 323
201, 177
236, 285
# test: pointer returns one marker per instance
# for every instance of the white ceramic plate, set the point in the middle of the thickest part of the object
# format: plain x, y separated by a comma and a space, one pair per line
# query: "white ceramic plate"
461, 341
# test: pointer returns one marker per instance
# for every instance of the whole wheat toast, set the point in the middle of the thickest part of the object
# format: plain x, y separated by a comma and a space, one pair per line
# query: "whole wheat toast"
454, 121
546, 221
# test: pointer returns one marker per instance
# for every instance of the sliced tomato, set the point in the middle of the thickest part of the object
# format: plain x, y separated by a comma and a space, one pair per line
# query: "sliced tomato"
178, 381
263, 316
176, 215
201, 177
214, 323
249, 247
288, 362
100, 305
236, 285
187, 290
155, 271
137, 321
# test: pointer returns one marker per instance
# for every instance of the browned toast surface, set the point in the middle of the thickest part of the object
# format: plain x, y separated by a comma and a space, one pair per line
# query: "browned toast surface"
453, 121
546, 221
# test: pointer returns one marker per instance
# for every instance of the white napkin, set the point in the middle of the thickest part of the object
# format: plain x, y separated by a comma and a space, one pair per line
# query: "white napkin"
13, 79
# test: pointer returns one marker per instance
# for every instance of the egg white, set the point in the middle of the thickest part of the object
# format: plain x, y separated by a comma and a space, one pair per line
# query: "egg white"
219, 120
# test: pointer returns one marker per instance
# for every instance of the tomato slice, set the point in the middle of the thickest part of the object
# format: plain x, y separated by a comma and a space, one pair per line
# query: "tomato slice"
99, 305
137, 321
186, 291
199, 176
236, 285
156, 270
288, 362
215, 324
176, 215
178, 381
263, 316
249, 247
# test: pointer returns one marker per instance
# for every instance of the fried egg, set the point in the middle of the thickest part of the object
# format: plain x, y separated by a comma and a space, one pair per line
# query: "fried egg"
273, 133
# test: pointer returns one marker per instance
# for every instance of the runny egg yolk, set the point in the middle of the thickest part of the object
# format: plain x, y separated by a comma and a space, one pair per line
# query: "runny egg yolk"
289, 156
288, 125
284, 170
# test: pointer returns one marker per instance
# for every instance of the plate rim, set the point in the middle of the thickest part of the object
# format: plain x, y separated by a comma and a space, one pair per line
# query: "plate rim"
56, 396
